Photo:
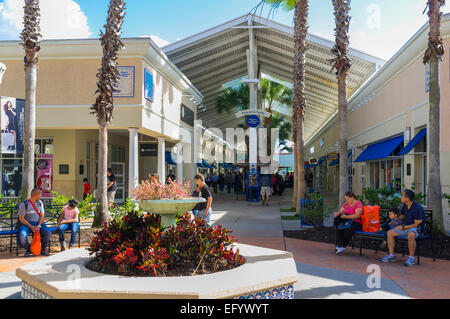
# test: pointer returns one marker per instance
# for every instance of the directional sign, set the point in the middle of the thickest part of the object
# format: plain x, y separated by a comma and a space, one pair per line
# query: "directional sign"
253, 121
252, 112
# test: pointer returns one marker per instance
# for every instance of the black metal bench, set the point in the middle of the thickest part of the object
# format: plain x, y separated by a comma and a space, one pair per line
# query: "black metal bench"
379, 237
8, 224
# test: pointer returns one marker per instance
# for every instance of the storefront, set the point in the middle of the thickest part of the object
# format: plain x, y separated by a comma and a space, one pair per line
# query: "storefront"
387, 122
154, 105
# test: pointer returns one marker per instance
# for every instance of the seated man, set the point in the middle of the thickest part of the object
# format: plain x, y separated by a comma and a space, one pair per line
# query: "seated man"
413, 215
31, 217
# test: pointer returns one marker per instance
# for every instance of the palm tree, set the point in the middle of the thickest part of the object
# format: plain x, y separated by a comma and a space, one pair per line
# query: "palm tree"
108, 76
273, 92
433, 56
31, 42
342, 65
301, 11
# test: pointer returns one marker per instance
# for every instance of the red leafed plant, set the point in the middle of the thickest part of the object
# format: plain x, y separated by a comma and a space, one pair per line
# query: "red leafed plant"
152, 189
137, 246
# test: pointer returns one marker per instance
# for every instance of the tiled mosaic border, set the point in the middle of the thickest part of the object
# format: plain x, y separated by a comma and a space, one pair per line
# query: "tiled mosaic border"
30, 292
284, 292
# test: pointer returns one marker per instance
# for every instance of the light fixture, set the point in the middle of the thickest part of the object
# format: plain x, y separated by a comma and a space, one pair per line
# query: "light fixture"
2, 71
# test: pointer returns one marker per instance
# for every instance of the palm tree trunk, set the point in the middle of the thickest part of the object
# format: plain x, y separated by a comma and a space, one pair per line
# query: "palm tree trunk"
433, 55
342, 66
299, 102
343, 137
294, 197
102, 215
29, 130
31, 42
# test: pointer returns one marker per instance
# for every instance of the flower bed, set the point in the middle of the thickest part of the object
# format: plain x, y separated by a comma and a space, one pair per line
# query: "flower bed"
137, 246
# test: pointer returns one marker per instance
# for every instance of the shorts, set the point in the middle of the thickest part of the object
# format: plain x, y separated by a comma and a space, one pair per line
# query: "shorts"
111, 195
407, 231
266, 191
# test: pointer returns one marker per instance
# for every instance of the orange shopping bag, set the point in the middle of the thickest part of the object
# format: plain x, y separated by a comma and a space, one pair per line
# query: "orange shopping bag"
36, 243
371, 219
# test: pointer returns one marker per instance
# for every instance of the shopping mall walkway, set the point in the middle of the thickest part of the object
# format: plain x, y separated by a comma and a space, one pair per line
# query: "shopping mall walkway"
322, 273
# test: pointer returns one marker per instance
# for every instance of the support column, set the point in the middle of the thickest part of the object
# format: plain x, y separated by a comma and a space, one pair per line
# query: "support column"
133, 159
252, 64
162, 159
180, 162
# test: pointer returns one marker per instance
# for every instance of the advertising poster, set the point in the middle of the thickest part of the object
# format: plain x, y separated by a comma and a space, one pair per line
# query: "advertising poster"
148, 85
45, 174
12, 125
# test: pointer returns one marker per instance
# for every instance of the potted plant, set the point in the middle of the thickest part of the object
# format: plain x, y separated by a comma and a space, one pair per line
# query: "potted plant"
166, 200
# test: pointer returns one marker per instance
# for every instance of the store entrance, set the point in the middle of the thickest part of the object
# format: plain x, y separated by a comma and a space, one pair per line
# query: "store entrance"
119, 171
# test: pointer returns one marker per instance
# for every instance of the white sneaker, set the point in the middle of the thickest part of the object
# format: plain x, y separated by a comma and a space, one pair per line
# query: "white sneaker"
339, 250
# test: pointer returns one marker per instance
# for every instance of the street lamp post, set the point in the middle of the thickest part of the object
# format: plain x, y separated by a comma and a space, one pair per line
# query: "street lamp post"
2, 71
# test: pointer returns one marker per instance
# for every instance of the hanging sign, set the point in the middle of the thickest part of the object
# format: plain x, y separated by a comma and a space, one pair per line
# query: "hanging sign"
45, 174
253, 121
252, 112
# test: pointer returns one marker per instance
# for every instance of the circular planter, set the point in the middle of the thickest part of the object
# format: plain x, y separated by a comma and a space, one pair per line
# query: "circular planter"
168, 209
267, 273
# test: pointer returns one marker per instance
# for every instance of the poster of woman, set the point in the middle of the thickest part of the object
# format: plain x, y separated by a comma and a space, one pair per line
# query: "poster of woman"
12, 116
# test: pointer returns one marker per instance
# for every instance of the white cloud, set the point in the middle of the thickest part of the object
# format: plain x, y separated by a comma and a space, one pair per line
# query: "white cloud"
60, 19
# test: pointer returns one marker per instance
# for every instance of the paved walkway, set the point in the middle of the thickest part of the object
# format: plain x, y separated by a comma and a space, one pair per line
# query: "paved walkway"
322, 273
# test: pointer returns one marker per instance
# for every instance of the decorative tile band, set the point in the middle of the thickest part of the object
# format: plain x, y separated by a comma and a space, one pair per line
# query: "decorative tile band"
284, 292
30, 292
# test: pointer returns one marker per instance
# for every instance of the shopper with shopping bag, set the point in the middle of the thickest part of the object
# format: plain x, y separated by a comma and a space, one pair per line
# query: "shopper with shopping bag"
31, 218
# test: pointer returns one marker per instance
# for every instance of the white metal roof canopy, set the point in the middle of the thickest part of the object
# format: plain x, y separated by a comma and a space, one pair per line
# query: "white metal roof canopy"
217, 56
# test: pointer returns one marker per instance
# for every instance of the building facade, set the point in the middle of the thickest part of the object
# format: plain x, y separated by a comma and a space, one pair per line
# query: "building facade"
153, 120
387, 125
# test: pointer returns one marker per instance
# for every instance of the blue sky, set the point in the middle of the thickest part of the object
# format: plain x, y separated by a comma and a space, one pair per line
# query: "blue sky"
379, 27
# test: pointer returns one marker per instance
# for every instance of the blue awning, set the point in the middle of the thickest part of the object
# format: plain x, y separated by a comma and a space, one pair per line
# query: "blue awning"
200, 165
322, 159
222, 165
205, 164
310, 165
414, 142
169, 159
213, 166
380, 150
335, 162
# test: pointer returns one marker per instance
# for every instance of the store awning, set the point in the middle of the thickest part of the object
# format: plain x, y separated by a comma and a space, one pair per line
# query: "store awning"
414, 142
380, 150
205, 164
169, 159
200, 165
334, 163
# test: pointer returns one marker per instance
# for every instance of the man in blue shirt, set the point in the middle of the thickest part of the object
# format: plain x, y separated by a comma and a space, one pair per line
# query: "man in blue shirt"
413, 217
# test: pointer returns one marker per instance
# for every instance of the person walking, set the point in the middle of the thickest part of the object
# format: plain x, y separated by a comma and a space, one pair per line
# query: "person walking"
266, 188
203, 210
229, 181
68, 221
31, 218
87, 188
215, 181
222, 182
111, 187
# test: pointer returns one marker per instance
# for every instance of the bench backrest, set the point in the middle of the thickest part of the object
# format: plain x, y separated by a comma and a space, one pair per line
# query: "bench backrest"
427, 227
7, 220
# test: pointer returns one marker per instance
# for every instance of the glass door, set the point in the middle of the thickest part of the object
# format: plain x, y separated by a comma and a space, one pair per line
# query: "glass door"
119, 171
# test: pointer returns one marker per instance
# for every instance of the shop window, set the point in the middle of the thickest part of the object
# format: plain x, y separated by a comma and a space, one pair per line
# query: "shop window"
12, 177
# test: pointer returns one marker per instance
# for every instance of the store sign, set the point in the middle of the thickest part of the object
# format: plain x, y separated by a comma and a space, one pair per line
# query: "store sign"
313, 160
149, 150
333, 156
12, 125
45, 174
125, 88
252, 112
253, 121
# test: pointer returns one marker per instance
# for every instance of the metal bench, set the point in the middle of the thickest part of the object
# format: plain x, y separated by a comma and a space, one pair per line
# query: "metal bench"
426, 236
8, 225
52, 214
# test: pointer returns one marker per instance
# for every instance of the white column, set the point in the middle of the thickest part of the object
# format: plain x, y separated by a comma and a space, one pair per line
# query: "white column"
180, 162
162, 159
133, 159
252, 73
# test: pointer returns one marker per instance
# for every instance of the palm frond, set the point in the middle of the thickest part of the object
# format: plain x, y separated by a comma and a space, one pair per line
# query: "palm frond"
108, 74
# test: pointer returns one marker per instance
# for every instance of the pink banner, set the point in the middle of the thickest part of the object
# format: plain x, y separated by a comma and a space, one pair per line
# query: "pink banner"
45, 174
